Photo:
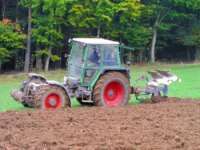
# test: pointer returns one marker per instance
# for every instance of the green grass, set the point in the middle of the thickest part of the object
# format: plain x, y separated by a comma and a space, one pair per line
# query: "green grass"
188, 88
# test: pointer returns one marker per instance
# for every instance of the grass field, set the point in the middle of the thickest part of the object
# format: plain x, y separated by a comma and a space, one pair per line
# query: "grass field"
188, 88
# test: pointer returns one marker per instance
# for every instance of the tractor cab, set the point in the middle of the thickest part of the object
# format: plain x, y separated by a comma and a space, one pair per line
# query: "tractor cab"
91, 57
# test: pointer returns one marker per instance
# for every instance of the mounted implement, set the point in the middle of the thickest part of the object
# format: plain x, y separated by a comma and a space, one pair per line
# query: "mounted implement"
95, 76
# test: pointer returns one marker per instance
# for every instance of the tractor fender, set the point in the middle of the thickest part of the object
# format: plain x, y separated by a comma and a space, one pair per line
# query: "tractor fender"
122, 70
36, 76
57, 84
106, 70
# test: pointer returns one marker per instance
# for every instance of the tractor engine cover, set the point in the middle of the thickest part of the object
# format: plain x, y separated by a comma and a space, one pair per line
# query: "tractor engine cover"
37, 92
31, 90
30, 94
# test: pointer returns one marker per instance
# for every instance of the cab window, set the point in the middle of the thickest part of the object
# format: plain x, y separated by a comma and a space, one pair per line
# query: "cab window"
110, 55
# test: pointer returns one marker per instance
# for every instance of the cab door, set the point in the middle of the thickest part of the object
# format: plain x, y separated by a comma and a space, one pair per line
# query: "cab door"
76, 60
93, 64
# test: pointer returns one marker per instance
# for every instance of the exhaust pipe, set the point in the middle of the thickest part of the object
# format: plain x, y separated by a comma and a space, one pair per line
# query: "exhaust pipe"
17, 95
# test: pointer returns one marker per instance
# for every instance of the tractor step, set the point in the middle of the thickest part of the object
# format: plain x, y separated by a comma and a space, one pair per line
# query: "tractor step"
87, 101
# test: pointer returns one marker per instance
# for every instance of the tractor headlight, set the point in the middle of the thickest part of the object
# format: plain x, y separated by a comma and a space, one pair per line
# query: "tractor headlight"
34, 88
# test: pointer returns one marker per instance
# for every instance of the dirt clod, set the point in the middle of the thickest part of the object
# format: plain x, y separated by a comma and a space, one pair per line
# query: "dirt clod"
174, 124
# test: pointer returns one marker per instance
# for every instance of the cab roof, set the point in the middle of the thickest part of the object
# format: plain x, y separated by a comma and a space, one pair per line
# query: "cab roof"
95, 41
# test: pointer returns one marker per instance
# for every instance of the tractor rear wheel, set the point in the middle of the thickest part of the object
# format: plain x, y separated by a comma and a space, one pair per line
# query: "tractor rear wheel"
54, 98
111, 90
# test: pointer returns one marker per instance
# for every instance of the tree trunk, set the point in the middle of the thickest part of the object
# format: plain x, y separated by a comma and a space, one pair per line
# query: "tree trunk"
153, 45
38, 63
99, 31
0, 66
3, 9
131, 57
28, 51
17, 10
140, 56
197, 55
188, 55
31, 63
46, 68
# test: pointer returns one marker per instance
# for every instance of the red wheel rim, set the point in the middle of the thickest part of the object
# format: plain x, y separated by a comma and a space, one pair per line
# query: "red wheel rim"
114, 93
53, 101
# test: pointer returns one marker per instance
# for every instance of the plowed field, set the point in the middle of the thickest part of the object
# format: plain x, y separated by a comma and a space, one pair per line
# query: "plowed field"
174, 124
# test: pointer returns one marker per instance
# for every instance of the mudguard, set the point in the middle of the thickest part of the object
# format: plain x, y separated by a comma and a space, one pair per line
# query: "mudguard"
55, 83
37, 76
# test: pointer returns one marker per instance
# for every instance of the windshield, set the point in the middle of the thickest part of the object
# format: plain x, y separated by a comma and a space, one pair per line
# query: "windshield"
110, 55
107, 53
94, 55
76, 60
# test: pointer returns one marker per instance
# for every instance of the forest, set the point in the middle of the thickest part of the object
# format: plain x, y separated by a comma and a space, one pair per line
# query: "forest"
34, 34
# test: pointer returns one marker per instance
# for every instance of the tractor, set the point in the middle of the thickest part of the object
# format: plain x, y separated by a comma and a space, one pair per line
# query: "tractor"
95, 76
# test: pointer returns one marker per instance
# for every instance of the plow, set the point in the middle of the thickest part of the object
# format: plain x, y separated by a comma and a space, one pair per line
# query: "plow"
95, 76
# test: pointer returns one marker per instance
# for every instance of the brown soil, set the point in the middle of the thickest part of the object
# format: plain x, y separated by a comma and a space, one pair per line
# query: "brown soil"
168, 125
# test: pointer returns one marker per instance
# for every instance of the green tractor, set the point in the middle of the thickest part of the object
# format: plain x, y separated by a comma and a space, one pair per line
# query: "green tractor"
95, 76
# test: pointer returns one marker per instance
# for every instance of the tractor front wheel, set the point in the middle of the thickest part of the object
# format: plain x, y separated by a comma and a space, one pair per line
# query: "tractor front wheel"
54, 98
112, 90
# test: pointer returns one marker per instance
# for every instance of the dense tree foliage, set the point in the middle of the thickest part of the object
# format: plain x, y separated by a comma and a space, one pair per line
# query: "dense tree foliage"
34, 34
11, 39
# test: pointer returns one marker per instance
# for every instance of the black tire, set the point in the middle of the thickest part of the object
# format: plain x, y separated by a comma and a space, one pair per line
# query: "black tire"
54, 97
112, 89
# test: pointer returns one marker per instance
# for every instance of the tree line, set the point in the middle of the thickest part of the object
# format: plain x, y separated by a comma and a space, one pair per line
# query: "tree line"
34, 34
